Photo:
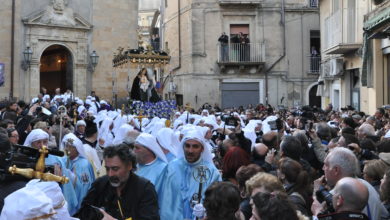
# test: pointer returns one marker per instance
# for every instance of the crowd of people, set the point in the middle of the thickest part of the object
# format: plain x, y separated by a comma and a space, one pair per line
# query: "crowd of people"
246, 163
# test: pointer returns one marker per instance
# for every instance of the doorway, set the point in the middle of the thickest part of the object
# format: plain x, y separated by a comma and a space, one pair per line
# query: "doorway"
56, 69
314, 100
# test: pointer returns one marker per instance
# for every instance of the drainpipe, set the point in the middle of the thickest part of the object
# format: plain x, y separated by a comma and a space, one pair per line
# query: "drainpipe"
302, 58
179, 42
179, 35
11, 91
283, 23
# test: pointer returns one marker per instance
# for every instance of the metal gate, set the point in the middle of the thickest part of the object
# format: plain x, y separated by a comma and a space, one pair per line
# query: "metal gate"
239, 94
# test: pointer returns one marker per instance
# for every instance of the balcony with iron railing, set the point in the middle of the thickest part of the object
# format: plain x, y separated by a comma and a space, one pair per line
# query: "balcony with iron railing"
340, 33
241, 55
240, 2
315, 64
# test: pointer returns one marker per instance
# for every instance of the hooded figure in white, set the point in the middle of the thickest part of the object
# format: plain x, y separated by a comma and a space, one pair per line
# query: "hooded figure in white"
105, 132
36, 139
77, 163
166, 138
250, 131
37, 200
151, 160
179, 184
53, 191
122, 133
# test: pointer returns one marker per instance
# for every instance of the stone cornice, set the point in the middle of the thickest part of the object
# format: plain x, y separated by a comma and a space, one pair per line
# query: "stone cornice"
34, 20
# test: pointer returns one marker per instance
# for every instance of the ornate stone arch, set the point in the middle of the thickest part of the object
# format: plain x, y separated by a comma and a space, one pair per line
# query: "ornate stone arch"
41, 33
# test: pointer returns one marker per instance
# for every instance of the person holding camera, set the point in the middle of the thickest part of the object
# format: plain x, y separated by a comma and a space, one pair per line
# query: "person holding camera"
339, 163
350, 196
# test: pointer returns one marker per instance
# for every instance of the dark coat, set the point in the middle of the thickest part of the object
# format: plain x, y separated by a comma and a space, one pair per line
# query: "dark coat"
138, 200
135, 90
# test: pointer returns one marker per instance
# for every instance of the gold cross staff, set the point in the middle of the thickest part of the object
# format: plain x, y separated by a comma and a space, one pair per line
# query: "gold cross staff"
123, 110
74, 117
187, 107
39, 172
140, 117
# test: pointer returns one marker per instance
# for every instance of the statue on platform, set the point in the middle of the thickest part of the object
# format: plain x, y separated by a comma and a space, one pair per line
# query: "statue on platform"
143, 88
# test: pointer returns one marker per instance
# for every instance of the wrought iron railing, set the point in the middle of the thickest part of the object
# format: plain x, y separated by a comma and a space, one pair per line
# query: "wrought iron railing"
240, 53
315, 64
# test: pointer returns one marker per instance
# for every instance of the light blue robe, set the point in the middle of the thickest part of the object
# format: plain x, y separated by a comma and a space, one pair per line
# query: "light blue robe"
179, 186
83, 177
170, 156
67, 188
154, 172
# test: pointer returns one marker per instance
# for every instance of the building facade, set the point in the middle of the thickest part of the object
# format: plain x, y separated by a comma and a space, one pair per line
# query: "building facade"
354, 58
148, 23
341, 43
271, 55
376, 57
61, 35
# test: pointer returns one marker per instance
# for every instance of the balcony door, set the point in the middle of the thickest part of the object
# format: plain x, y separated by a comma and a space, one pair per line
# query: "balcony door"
239, 47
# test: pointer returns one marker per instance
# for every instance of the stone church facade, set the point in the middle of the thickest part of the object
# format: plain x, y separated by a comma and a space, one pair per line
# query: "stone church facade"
61, 35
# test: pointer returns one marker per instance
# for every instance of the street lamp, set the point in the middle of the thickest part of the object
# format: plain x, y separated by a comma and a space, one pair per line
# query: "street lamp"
94, 59
27, 55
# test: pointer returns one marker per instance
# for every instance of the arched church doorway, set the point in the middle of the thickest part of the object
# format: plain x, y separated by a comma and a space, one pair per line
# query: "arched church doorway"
56, 69
314, 100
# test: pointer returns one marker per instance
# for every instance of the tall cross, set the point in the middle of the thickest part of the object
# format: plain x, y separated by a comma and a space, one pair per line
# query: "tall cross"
187, 107
74, 117
123, 110
140, 117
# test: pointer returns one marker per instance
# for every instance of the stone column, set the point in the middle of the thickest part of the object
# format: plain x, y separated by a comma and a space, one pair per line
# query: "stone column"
79, 80
34, 80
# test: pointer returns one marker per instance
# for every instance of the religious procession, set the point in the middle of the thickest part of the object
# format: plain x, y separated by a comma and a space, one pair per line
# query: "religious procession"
196, 110
68, 158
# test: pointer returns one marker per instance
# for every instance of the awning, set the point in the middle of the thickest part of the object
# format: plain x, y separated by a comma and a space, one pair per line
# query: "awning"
374, 27
377, 21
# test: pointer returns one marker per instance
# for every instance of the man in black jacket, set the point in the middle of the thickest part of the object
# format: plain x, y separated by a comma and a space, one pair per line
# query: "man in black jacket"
224, 41
120, 194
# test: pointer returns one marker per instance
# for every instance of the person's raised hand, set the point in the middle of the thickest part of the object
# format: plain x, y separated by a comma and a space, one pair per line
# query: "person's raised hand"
317, 207
269, 158
318, 183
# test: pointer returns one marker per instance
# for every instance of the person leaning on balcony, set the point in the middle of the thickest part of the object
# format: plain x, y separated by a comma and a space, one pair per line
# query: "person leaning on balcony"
314, 52
234, 45
224, 40
246, 47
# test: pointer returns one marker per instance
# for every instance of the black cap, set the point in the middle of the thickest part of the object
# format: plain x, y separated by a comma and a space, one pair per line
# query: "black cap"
91, 128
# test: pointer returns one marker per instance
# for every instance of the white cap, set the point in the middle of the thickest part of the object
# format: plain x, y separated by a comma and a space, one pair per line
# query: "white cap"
196, 135
54, 192
74, 141
81, 122
165, 138
35, 135
27, 203
149, 141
